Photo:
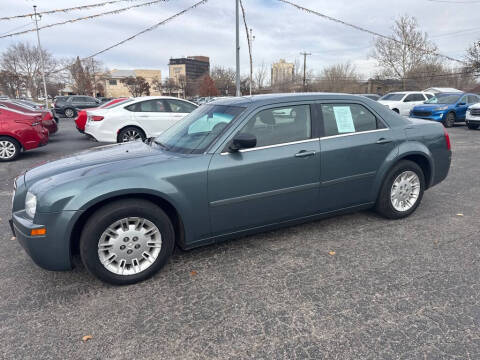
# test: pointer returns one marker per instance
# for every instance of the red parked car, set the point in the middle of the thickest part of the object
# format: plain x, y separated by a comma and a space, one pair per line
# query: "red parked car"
20, 131
81, 119
48, 120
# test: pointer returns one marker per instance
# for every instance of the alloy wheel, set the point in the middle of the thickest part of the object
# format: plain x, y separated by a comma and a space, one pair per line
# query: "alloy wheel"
69, 113
405, 191
7, 149
129, 246
131, 135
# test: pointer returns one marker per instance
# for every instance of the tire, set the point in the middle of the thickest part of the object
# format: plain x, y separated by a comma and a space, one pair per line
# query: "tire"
131, 133
396, 110
472, 126
449, 120
70, 113
95, 237
9, 148
385, 204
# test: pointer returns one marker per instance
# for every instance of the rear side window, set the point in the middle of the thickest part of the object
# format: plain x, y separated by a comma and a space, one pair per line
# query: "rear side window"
472, 99
429, 96
414, 97
341, 119
178, 106
156, 105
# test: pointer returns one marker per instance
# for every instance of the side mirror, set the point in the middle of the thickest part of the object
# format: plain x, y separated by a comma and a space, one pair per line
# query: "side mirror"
242, 141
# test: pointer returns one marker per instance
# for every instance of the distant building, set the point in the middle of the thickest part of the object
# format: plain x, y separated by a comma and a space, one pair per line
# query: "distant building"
190, 68
282, 72
115, 88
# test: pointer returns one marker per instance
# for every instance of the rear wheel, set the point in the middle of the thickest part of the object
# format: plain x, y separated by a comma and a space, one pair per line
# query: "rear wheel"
449, 120
402, 190
69, 113
9, 148
127, 241
131, 133
472, 126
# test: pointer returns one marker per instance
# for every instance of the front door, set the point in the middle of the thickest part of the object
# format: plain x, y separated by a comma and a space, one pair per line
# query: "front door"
275, 181
354, 145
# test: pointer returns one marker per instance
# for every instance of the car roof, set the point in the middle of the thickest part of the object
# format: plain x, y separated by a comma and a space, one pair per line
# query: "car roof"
266, 99
142, 98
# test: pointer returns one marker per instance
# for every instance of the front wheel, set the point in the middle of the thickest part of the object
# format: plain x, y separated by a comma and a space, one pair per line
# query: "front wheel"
402, 190
127, 241
472, 126
449, 120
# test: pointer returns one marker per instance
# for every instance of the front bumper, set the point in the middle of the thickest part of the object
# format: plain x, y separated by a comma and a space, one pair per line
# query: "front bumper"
51, 251
474, 120
433, 117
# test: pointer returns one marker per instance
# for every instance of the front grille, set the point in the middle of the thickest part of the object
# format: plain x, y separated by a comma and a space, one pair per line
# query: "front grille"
421, 113
475, 112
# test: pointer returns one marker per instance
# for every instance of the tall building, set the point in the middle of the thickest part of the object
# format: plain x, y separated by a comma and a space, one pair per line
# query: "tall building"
190, 68
282, 72
115, 88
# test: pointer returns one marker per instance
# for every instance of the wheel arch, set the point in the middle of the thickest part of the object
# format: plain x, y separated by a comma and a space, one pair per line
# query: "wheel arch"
164, 204
12, 136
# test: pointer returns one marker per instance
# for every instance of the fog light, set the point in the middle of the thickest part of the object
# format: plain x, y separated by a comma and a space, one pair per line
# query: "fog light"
38, 232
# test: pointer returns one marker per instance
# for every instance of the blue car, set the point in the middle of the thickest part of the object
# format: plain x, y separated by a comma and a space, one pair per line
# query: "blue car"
446, 108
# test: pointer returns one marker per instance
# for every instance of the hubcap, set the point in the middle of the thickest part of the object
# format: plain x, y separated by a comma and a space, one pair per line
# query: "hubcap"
69, 113
7, 149
405, 191
129, 246
131, 135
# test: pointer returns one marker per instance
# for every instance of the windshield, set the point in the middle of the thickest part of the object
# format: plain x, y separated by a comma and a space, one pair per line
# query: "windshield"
393, 97
443, 99
195, 132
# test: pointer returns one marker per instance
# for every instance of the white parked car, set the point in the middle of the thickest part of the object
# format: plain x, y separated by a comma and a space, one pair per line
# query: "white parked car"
472, 117
137, 118
403, 102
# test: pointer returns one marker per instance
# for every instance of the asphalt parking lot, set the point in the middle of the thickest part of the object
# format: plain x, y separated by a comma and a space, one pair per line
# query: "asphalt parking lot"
350, 287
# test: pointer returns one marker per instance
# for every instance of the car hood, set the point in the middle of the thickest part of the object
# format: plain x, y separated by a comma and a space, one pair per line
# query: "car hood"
429, 107
108, 155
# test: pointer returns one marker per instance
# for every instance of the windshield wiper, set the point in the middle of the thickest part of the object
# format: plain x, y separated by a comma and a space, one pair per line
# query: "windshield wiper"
160, 144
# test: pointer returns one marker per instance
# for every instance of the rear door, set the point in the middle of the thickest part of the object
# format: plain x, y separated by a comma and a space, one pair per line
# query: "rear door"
275, 181
461, 108
179, 109
152, 116
354, 144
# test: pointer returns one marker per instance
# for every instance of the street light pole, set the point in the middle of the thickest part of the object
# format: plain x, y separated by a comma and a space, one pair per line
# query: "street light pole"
237, 30
42, 63
305, 54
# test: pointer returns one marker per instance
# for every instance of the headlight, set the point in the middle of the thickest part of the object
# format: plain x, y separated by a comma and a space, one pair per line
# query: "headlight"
441, 108
30, 204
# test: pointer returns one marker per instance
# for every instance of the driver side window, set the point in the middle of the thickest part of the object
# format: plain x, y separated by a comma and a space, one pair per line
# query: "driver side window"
280, 125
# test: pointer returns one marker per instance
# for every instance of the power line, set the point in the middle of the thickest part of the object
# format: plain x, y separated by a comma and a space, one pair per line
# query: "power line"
17, 28
367, 30
82, 7
150, 28
85, 18
456, 2
423, 76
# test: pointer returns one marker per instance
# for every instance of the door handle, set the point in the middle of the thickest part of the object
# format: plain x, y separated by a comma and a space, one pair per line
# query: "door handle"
304, 153
143, 116
384, 141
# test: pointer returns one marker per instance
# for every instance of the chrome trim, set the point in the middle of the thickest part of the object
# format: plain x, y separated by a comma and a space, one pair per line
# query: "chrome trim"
273, 146
348, 178
353, 133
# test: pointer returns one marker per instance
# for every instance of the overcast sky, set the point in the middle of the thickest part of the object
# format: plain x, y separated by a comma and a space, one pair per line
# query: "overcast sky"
281, 31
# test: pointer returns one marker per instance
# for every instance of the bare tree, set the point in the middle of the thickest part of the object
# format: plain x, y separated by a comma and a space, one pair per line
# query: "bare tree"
410, 49
338, 78
224, 79
182, 84
137, 86
22, 60
472, 57
260, 76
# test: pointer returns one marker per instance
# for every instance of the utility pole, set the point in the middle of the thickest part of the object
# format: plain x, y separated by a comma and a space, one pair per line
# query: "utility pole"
94, 82
42, 63
305, 54
250, 42
237, 92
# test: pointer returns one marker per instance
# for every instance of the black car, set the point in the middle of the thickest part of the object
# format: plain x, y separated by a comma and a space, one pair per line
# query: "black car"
69, 105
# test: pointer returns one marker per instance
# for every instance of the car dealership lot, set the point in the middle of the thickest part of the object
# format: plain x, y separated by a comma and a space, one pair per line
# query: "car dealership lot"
355, 286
